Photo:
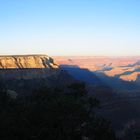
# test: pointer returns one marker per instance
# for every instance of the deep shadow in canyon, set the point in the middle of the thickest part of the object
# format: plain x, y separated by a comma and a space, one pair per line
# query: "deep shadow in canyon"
119, 100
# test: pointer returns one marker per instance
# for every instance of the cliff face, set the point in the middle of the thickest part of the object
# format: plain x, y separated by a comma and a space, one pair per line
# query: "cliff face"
26, 73
27, 61
27, 67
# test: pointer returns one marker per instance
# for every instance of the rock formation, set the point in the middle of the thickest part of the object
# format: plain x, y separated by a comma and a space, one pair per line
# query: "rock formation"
27, 67
22, 74
130, 77
27, 61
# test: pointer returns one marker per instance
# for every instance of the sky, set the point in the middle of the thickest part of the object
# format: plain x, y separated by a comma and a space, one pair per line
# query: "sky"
70, 27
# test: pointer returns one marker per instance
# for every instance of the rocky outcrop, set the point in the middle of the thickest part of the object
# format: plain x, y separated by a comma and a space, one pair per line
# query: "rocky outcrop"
27, 67
115, 71
27, 61
26, 73
130, 77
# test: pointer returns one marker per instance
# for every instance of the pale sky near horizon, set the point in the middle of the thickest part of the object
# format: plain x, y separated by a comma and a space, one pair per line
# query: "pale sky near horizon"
70, 27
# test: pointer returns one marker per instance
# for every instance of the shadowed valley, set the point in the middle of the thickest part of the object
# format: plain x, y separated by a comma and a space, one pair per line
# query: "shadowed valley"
121, 102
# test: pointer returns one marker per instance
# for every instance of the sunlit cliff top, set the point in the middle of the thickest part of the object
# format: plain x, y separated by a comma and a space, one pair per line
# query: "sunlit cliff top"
26, 61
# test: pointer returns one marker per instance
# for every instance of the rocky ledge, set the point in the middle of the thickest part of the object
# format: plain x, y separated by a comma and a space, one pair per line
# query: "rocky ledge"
27, 61
24, 74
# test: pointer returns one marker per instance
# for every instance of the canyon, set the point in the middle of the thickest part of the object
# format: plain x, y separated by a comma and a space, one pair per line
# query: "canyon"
125, 68
120, 95
114, 81
122, 74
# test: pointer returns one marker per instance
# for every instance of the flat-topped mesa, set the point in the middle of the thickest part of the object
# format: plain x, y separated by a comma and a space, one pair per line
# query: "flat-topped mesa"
25, 74
27, 61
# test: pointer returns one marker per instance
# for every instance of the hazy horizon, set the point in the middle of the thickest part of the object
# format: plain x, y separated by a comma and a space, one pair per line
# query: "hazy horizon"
32, 54
70, 28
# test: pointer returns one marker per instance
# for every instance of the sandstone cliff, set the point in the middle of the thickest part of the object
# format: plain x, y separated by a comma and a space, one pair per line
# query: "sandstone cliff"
25, 73
27, 67
27, 61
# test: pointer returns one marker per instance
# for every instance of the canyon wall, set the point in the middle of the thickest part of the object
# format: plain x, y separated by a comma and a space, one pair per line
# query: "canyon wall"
27, 61
27, 67
24, 74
